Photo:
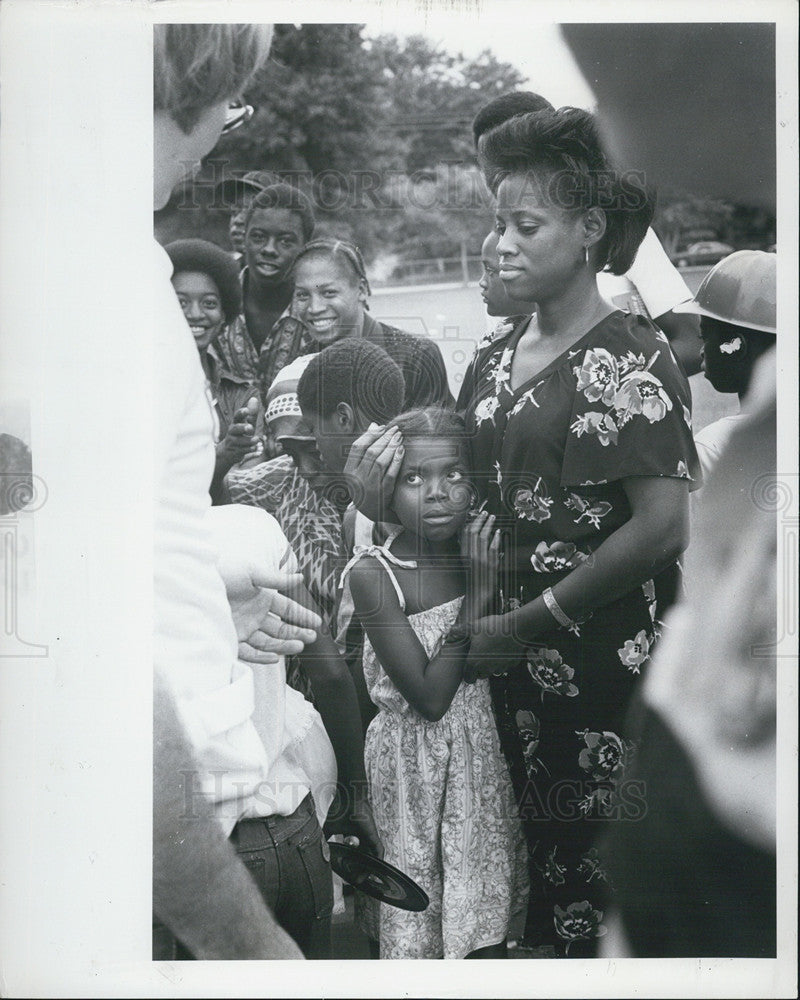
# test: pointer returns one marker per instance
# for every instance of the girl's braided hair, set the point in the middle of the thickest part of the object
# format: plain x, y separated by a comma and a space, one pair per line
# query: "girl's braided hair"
437, 422
431, 421
564, 146
338, 249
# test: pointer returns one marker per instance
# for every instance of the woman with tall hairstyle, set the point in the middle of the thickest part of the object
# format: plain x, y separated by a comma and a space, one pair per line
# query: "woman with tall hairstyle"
580, 432
580, 419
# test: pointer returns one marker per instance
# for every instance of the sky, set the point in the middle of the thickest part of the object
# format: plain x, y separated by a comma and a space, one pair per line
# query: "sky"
537, 50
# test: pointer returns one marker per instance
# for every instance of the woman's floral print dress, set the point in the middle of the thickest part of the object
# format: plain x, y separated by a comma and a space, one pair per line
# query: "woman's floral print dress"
550, 458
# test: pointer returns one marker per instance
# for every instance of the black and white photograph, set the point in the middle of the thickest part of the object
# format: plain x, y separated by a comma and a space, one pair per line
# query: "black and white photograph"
407, 565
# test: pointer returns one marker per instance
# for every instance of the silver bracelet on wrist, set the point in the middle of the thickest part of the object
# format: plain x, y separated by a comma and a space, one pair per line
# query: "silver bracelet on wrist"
555, 609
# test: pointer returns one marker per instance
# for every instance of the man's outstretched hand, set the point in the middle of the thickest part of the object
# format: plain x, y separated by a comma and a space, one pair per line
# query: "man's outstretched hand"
268, 623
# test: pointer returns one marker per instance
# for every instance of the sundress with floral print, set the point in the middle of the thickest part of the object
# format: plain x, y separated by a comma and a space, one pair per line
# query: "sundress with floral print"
444, 806
549, 459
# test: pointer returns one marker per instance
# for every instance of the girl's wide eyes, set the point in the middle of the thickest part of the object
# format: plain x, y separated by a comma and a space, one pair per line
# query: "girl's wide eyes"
453, 476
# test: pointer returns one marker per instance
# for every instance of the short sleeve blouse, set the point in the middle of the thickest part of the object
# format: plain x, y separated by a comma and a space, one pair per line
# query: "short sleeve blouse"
551, 455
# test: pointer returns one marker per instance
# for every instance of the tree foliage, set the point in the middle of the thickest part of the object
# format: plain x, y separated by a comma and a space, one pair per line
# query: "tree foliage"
317, 103
444, 213
682, 218
431, 97
378, 132
365, 126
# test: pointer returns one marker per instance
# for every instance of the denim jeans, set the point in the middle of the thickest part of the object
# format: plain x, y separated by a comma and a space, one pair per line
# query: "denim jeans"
288, 859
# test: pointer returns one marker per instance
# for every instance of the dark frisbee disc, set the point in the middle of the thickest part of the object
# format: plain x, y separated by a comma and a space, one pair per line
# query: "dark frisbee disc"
377, 878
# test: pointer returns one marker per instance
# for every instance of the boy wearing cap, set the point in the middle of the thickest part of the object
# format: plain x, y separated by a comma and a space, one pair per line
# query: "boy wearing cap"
736, 303
235, 194
291, 487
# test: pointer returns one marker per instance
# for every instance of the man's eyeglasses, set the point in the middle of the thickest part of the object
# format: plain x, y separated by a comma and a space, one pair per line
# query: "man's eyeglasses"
237, 114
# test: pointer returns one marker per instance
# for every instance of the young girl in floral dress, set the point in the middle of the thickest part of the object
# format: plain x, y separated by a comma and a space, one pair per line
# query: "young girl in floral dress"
439, 786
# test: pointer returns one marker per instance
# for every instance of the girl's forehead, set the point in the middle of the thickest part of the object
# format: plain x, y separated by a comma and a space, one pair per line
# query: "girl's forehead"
316, 269
432, 449
489, 248
196, 282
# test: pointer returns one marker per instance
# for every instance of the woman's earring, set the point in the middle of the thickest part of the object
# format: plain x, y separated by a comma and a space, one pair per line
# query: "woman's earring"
586, 255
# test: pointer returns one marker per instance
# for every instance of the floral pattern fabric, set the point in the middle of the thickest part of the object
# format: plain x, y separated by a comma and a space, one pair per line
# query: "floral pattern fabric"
444, 807
550, 457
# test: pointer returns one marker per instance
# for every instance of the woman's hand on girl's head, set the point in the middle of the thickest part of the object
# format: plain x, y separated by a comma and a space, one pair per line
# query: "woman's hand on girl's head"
493, 649
371, 469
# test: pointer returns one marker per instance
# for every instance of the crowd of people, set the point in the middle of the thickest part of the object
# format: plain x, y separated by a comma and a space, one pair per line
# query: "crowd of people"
432, 623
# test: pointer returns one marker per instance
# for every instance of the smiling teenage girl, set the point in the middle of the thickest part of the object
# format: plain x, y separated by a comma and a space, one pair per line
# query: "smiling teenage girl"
331, 295
206, 281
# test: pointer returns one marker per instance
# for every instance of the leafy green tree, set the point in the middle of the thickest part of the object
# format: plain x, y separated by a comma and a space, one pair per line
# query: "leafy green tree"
318, 102
371, 129
431, 97
679, 214
445, 215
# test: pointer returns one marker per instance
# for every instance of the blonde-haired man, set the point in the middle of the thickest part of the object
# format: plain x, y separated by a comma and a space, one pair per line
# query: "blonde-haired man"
210, 622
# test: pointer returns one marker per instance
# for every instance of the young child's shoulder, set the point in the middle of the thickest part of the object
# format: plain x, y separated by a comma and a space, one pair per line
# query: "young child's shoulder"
371, 587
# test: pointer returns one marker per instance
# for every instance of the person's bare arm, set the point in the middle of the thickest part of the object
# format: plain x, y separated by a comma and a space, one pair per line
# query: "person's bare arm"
429, 686
653, 538
201, 890
480, 546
